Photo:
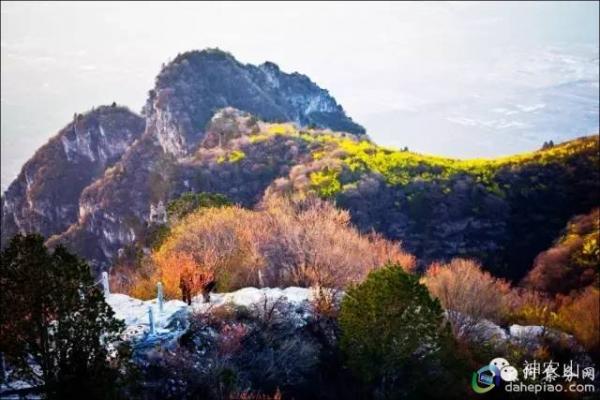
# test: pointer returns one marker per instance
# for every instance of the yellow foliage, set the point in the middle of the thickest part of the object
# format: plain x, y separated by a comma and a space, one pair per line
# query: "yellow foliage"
325, 182
401, 167
581, 316
231, 157
281, 129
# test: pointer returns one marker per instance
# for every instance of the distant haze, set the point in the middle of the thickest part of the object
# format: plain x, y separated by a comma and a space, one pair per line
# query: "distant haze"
456, 79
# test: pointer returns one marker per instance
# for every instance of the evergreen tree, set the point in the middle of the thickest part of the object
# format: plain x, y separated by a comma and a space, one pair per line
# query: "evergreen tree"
55, 324
394, 338
189, 202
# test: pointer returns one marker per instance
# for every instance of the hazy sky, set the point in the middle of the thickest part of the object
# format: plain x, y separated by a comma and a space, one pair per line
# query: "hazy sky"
435, 76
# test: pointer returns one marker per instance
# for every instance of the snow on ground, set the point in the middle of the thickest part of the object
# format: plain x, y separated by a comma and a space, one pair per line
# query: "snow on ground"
172, 322
248, 296
526, 332
135, 312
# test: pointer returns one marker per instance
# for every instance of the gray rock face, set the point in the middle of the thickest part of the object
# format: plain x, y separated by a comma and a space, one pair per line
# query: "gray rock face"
189, 90
45, 196
116, 206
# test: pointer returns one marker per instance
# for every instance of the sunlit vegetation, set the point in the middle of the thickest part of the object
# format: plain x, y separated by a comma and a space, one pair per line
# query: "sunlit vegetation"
577, 313
468, 293
325, 182
281, 129
402, 167
231, 157
399, 167
572, 263
487, 209
282, 244
580, 315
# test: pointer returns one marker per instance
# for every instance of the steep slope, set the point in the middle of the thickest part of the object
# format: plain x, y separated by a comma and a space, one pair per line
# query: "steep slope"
190, 89
45, 196
117, 209
501, 211
571, 263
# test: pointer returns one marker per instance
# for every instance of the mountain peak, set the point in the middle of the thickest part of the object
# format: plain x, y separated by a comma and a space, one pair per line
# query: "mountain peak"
191, 88
214, 54
114, 156
270, 66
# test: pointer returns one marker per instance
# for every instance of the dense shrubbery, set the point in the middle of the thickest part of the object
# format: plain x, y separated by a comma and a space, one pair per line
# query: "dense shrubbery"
467, 293
284, 243
55, 326
393, 345
360, 156
572, 263
189, 202
234, 352
471, 295
491, 210
580, 315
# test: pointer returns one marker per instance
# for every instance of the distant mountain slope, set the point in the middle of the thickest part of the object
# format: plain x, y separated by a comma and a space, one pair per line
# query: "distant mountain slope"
45, 196
501, 211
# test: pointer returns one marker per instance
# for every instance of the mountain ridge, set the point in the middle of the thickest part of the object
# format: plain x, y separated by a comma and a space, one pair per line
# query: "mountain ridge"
188, 91
213, 124
43, 198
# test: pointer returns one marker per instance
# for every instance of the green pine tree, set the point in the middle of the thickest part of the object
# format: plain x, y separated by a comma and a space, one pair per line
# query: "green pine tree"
55, 320
394, 337
188, 202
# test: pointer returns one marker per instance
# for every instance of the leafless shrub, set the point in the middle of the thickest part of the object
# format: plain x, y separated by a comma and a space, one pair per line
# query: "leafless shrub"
304, 243
468, 293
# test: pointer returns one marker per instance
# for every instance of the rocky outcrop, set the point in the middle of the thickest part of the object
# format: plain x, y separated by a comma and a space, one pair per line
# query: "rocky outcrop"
114, 211
190, 89
45, 196
168, 159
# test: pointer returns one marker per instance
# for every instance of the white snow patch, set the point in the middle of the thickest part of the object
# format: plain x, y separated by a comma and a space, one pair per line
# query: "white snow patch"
248, 296
526, 332
134, 312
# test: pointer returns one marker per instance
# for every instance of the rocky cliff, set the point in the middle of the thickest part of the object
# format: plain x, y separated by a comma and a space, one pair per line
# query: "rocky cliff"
45, 196
113, 192
196, 84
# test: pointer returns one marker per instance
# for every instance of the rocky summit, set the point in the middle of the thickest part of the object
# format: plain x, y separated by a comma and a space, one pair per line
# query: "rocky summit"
45, 196
98, 180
